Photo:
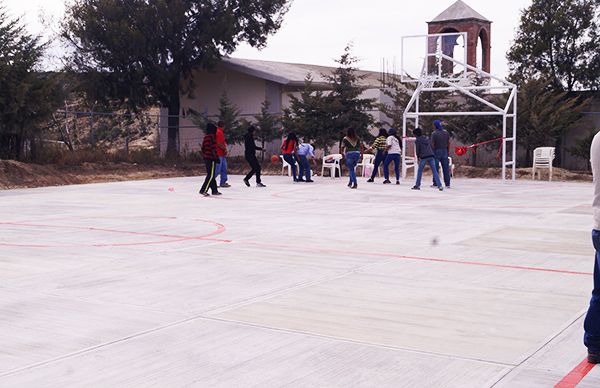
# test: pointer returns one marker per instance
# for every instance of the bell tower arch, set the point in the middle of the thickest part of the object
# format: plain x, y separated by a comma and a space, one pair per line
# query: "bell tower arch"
459, 17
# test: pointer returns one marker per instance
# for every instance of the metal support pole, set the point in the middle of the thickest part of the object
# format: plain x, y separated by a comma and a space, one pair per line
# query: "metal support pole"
417, 110
514, 136
504, 147
404, 146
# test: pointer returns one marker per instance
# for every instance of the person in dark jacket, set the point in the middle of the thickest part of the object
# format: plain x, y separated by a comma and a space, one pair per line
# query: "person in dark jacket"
250, 155
425, 156
211, 158
440, 142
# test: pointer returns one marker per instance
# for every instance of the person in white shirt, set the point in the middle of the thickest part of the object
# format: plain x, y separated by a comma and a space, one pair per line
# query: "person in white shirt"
393, 155
591, 325
305, 152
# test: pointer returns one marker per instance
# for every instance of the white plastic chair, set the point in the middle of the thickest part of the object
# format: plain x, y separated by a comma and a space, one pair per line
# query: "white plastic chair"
288, 166
332, 162
542, 158
366, 162
451, 166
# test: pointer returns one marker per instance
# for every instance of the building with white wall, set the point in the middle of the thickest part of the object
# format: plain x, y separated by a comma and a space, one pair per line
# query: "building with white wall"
247, 84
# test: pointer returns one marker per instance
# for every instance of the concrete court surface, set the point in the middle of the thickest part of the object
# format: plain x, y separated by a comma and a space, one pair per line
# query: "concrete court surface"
147, 284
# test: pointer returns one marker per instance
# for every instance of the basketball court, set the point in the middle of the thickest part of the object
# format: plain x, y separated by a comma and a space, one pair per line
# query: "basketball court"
148, 284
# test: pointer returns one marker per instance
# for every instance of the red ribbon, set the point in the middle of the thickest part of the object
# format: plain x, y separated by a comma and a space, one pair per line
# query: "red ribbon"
463, 150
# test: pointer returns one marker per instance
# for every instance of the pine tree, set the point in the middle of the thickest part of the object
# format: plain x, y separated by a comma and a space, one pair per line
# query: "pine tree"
347, 108
309, 116
28, 97
267, 126
545, 116
235, 128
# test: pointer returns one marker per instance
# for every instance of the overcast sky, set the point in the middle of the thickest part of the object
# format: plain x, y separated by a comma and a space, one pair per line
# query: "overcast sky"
316, 31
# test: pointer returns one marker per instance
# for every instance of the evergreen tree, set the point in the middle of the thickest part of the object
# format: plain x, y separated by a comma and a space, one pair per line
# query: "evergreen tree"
309, 116
235, 128
399, 95
28, 97
266, 126
545, 116
346, 107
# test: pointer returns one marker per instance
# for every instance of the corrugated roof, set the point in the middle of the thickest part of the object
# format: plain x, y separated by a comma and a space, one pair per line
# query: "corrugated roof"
292, 74
459, 11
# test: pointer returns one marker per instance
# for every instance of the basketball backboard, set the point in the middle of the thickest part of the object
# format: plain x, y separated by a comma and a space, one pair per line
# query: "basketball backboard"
428, 56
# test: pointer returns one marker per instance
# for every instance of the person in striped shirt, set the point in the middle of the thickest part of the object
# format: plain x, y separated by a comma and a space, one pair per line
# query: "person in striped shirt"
379, 146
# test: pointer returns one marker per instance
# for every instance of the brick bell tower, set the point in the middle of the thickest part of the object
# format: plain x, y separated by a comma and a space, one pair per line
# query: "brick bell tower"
459, 17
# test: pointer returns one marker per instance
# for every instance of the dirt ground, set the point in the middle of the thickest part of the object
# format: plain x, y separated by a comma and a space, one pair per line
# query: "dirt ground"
15, 174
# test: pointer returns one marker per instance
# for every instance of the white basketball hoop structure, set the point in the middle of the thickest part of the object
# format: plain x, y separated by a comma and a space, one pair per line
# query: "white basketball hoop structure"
439, 74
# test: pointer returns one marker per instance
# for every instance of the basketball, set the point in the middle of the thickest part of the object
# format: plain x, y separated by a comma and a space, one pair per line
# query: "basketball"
274, 159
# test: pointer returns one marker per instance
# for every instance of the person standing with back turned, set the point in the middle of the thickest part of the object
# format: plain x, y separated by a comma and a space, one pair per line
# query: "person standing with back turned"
591, 325
393, 155
222, 152
353, 149
440, 142
425, 157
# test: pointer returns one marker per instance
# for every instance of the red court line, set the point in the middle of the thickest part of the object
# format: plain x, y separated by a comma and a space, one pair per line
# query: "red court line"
430, 259
220, 228
575, 376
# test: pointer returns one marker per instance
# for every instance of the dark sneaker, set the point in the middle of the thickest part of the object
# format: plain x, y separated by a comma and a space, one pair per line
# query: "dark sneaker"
225, 185
301, 180
371, 180
309, 181
415, 188
440, 188
434, 186
593, 358
354, 186
260, 185
246, 183
386, 182
350, 184
217, 193
397, 182
205, 194
447, 187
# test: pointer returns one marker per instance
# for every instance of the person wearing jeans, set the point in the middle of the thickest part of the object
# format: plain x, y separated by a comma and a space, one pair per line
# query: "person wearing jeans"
425, 156
353, 149
393, 155
221, 168
289, 150
591, 325
440, 142
379, 146
305, 151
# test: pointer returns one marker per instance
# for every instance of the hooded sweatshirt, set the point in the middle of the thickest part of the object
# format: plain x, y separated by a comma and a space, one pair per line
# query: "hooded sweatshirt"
423, 146
440, 138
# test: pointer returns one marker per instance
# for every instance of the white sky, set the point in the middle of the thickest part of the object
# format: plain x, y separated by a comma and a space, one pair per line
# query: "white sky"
316, 31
